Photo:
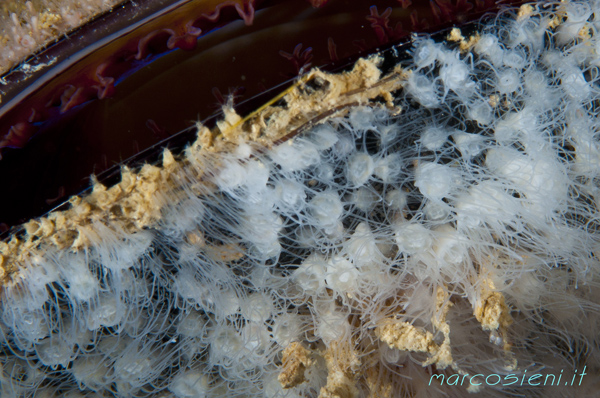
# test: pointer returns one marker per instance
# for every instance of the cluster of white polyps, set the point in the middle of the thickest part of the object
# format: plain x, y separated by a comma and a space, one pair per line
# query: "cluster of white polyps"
362, 258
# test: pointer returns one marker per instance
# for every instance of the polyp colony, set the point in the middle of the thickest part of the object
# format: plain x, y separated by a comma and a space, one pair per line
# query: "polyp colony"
359, 235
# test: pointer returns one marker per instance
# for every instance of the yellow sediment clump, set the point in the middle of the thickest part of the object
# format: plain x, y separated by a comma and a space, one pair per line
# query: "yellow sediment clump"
406, 337
493, 313
296, 359
491, 310
343, 366
465, 44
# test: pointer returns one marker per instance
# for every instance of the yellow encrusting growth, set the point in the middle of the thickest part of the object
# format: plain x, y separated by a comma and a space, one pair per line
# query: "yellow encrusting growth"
136, 202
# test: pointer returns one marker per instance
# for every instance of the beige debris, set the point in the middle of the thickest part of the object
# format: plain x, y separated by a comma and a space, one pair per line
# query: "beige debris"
296, 359
524, 11
465, 45
455, 35
406, 337
491, 309
378, 380
343, 365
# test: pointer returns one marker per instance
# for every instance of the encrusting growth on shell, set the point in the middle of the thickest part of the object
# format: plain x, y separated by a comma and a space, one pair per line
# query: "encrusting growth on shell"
133, 203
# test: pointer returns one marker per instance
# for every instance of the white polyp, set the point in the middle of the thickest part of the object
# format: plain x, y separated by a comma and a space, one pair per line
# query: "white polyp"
481, 112
543, 180
30, 325
413, 238
117, 252
190, 383
272, 388
186, 285
243, 151
344, 146
360, 168
508, 81
290, 194
257, 308
341, 275
55, 351
577, 16
423, 90
388, 135
229, 302
469, 145
434, 138
192, 324
425, 53
334, 232
392, 355
514, 59
325, 208
364, 199
486, 202
262, 230
455, 75
574, 84
134, 366
31, 293
257, 341
396, 199
307, 236
106, 310
539, 94
325, 173
488, 46
436, 210
587, 152
226, 344
82, 284
286, 329
182, 217
435, 181
90, 372
450, 246
361, 119
361, 246
310, 275
324, 137
389, 168
332, 324
295, 155
519, 127
231, 175
256, 180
